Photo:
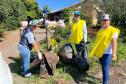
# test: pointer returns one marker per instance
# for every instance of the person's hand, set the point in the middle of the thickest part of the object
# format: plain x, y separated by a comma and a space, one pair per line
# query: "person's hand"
39, 56
85, 44
114, 57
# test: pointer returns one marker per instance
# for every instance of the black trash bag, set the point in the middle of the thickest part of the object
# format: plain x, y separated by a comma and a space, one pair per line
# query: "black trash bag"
66, 53
81, 64
44, 69
40, 65
82, 61
34, 60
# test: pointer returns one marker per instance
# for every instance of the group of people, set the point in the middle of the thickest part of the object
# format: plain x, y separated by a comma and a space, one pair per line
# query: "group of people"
104, 47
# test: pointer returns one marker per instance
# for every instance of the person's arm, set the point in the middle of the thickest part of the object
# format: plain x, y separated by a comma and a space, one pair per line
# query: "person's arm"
32, 41
36, 47
85, 32
37, 50
114, 46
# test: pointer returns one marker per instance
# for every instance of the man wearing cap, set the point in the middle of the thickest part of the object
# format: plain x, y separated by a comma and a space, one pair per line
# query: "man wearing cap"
79, 34
105, 46
27, 42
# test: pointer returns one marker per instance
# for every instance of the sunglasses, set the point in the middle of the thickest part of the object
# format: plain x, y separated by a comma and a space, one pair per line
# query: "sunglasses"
76, 15
34, 26
105, 20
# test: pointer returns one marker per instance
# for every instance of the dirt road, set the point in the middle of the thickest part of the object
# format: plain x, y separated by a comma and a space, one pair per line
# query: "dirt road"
9, 47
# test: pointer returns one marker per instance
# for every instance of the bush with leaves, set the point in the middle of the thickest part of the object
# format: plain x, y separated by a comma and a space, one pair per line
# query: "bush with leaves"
14, 11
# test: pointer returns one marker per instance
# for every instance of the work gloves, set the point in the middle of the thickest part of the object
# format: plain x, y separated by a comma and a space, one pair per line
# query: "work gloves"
40, 56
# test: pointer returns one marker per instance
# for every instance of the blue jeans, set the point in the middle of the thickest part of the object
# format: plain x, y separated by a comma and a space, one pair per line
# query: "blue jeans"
105, 61
25, 54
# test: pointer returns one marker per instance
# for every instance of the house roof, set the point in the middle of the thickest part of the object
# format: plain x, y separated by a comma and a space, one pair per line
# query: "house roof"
68, 7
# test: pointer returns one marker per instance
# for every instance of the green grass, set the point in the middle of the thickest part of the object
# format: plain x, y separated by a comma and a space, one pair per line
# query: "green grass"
121, 51
65, 72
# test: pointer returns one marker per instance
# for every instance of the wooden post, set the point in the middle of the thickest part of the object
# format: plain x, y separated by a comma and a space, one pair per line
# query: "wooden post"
48, 38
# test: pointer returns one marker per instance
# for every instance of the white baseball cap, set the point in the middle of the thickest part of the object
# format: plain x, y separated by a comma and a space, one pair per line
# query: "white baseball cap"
105, 17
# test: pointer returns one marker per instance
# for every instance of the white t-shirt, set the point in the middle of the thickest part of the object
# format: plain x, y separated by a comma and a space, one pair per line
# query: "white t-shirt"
109, 49
85, 32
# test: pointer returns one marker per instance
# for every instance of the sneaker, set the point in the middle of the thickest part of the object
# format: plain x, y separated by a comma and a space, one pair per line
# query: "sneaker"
27, 75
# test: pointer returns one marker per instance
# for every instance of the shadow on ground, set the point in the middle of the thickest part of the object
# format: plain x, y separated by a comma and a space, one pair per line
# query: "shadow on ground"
15, 67
79, 76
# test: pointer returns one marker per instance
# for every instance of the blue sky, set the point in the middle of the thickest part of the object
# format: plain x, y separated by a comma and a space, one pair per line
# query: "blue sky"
55, 5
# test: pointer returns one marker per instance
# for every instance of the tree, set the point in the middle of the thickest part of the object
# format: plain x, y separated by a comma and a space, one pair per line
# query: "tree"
32, 8
11, 12
14, 11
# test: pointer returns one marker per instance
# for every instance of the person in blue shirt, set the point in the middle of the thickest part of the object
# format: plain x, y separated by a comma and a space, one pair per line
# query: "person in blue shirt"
27, 42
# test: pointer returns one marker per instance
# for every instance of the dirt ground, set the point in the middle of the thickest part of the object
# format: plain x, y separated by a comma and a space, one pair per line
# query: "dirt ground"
117, 74
9, 45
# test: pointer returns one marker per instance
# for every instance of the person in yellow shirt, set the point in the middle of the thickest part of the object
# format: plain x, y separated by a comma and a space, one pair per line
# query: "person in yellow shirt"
78, 34
105, 46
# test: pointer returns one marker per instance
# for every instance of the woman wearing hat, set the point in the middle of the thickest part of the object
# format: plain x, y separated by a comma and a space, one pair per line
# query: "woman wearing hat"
105, 46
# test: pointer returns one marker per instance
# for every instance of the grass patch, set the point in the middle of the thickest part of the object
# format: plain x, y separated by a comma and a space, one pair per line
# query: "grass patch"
65, 73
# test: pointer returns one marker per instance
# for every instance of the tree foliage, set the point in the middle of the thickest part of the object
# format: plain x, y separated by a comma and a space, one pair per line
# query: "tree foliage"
66, 14
14, 11
11, 12
32, 8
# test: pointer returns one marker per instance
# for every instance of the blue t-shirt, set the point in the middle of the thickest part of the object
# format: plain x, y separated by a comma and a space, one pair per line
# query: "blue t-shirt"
27, 38
30, 37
